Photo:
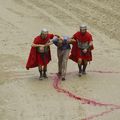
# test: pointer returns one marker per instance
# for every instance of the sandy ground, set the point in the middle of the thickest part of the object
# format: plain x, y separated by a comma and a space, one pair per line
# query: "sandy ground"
22, 95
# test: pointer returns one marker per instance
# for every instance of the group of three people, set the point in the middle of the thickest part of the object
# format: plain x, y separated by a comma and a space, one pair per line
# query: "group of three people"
81, 53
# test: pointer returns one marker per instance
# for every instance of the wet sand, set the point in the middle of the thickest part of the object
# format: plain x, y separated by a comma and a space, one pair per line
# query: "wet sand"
22, 95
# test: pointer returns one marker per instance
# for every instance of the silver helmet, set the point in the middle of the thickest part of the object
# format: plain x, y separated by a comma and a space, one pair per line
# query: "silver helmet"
44, 30
83, 26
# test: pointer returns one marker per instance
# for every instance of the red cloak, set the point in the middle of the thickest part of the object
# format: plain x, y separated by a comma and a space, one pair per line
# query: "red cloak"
76, 52
35, 59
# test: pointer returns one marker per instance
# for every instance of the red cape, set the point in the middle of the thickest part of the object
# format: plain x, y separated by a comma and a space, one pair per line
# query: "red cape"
35, 58
75, 50
32, 60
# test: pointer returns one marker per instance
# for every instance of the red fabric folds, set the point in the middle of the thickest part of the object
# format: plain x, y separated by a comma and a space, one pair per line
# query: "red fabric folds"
35, 58
76, 52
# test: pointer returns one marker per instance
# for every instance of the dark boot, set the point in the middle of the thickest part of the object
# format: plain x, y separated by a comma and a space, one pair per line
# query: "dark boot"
63, 78
84, 69
59, 73
44, 73
80, 70
40, 78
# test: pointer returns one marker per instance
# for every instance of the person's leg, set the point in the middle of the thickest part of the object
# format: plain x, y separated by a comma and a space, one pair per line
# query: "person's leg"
40, 71
44, 71
80, 66
64, 63
59, 54
85, 62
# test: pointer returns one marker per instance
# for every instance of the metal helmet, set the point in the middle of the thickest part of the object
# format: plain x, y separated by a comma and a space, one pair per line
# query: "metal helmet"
83, 26
44, 30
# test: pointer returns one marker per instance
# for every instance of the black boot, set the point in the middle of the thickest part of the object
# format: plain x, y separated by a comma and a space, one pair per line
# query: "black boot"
40, 78
59, 73
44, 73
84, 69
63, 78
80, 70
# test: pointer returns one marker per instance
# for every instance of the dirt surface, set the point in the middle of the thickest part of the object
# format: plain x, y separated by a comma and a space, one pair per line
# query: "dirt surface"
22, 95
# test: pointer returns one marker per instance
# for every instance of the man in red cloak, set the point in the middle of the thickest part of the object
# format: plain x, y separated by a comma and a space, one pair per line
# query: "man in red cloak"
81, 52
40, 54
